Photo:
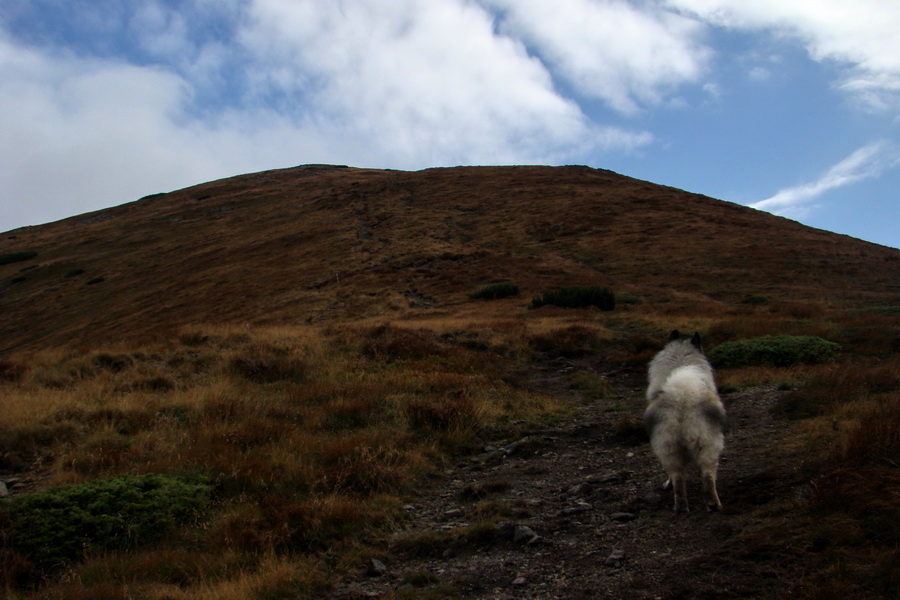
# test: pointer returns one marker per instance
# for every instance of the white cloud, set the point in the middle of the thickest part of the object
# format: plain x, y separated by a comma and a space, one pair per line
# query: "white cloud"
860, 36
81, 134
865, 163
627, 54
420, 81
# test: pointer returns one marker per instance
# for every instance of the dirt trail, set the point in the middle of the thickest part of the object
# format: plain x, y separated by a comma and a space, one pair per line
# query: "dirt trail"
590, 519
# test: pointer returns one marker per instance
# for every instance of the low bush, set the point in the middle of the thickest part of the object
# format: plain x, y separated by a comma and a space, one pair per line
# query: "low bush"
265, 363
389, 343
577, 297
774, 351
448, 412
755, 300
11, 371
115, 363
59, 525
569, 342
6, 259
496, 291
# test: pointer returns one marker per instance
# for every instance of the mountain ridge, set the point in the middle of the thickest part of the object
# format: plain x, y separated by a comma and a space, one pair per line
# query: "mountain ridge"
328, 242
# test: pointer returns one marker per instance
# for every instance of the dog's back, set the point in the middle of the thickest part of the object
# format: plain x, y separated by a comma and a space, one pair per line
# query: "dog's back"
684, 416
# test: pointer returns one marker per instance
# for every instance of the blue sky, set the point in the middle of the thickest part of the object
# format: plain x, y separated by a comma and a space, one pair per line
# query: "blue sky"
789, 107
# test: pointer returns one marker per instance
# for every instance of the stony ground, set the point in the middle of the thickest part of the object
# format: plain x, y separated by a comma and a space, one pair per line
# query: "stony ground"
583, 514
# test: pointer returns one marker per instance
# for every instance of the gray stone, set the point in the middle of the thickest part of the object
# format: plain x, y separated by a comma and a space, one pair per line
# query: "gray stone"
4, 491
574, 510
622, 516
376, 568
454, 513
523, 533
615, 559
520, 534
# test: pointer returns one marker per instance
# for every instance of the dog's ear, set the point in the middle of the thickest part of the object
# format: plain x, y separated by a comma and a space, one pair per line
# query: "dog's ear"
674, 335
696, 341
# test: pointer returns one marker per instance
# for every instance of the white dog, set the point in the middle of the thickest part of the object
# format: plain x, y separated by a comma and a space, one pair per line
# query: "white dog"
685, 417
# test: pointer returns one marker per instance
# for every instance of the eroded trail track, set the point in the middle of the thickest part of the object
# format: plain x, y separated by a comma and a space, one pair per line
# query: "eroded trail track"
584, 515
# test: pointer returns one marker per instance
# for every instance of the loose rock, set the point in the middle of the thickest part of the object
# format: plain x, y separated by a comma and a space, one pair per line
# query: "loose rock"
376, 568
622, 516
615, 559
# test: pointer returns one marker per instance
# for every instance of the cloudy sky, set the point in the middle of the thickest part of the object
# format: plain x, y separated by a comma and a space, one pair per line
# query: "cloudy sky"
790, 107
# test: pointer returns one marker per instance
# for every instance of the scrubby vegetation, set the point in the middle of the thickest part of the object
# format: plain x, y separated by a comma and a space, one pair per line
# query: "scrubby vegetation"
14, 257
53, 527
496, 291
577, 297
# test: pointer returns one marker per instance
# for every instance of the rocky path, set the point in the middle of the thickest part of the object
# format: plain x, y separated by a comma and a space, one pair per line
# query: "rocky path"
583, 516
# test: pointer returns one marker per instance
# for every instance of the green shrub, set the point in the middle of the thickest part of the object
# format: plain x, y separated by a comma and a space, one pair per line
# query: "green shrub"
15, 257
59, 525
75, 273
496, 291
774, 351
577, 297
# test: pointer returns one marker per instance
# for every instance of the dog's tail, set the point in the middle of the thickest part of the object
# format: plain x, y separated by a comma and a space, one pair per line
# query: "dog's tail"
689, 385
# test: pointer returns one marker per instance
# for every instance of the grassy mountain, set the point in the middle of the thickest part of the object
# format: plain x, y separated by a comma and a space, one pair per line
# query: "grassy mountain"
318, 243
251, 387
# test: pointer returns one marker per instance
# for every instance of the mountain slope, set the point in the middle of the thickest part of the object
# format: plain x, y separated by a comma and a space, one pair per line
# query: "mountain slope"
317, 242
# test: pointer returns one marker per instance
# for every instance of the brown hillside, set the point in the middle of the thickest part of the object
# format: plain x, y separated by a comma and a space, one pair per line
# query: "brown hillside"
315, 243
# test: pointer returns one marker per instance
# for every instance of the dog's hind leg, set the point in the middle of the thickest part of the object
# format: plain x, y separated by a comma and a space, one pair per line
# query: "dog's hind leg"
708, 468
679, 487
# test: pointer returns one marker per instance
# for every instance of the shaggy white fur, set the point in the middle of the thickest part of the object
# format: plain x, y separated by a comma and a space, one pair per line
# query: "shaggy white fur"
685, 417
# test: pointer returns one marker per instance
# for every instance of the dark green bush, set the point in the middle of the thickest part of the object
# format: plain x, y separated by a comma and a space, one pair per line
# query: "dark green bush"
577, 297
75, 273
15, 257
58, 525
496, 291
774, 351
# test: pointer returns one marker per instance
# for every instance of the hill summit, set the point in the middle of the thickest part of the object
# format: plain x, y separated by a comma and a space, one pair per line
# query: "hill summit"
316, 243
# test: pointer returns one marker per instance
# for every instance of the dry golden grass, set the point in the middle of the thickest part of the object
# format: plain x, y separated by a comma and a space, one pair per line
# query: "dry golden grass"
309, 436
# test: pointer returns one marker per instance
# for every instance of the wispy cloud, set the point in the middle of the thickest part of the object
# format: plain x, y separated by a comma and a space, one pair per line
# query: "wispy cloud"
869, 161
860, 37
